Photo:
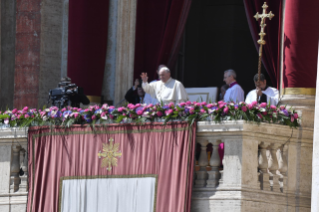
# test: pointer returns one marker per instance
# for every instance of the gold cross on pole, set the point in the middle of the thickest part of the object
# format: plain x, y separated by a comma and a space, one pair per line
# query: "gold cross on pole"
262, 34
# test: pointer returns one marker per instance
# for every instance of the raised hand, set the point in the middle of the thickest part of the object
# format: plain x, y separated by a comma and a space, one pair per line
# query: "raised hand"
144, 77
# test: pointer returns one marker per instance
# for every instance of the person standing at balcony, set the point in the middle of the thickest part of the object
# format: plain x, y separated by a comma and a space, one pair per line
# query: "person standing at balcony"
263, 91
166, 89
234, 93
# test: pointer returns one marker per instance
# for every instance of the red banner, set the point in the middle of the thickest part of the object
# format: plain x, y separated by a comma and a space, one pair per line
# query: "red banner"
164, 151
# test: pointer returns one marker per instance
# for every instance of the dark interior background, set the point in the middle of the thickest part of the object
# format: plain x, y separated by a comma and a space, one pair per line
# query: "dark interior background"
216, 38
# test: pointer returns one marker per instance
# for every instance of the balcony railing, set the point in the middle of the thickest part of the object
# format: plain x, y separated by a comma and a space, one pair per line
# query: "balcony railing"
266, 167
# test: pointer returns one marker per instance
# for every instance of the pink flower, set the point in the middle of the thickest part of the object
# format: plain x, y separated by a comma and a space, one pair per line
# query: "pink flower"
226, 109
25, 108
32, 116
140, 112
171, 104
264, 113
76, 115
244, 108
263, 105
182, 104
273, 107
137, 105
93, 117
292, 118
203, 103
26, 116
87, 110
19, 116
123, 114
191, 111
254, 103
197, 104
14, 110
259, 116
220, 102
188, 102
63, 109
295, 115
103, 116
111, 116
168, 112
104, 106
79, 109
111, 107
250, 106
131, 106
209, 105
236, 107
120, 109
202, 111
159, 114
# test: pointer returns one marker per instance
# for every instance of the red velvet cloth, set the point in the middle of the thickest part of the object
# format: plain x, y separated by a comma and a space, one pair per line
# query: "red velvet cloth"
159, 28
271, 50
163, 150
301, 43
88, 24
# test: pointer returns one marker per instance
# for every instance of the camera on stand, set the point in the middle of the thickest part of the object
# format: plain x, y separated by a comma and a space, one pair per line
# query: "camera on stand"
63, 95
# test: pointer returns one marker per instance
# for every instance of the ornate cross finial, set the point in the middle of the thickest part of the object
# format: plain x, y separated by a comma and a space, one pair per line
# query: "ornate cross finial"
262, 34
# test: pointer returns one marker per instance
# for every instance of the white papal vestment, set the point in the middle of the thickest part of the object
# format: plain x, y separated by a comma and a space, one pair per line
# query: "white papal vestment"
234, 94
271, 93
171, 91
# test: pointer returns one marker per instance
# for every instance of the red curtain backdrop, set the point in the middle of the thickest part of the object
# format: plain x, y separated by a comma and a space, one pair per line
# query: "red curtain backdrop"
159, 28
271, 51
301, 43
88, 24
163, 150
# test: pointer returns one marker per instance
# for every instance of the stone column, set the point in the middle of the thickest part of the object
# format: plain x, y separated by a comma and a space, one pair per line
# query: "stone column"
315, 159
125, 48
110, 61
38, 50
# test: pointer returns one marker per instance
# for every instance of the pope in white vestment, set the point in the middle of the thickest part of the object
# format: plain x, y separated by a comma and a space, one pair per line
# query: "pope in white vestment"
165, 90
271, 95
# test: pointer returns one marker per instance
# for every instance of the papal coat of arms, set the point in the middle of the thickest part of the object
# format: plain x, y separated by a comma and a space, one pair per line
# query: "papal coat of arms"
110, 154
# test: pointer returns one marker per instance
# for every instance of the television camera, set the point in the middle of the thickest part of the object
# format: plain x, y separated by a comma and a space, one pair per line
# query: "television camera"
63, 95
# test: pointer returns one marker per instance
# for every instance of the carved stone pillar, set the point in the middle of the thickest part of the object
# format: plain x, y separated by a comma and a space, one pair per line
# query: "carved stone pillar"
273, 167
24, 177
15, 169
262, 166
201, 175
214, 175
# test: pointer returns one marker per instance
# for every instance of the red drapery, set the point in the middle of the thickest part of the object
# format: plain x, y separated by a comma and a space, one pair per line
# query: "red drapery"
271, 50
163, 150
159, 28
88, 24
301, 43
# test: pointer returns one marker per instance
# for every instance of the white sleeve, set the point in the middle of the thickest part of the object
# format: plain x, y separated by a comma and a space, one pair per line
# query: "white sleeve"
238, 95
149, 88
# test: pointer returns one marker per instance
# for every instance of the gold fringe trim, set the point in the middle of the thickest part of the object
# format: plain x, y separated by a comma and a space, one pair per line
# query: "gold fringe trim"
300, 91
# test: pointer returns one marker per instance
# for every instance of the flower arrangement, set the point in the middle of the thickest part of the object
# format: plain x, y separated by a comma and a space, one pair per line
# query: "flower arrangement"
140, 113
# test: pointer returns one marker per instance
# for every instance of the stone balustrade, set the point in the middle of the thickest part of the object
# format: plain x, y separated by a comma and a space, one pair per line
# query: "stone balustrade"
13, 170
266, 167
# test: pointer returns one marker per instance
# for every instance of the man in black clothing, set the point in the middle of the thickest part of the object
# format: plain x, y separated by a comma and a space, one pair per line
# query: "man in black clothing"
135, 94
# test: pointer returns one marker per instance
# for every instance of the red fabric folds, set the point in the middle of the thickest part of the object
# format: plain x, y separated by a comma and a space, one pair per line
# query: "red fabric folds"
88, 26
159, 28
271, 50
163, 150
301, 43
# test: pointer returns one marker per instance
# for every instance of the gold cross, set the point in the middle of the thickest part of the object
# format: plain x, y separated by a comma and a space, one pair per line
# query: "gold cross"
263, 17
110, 154
262, 34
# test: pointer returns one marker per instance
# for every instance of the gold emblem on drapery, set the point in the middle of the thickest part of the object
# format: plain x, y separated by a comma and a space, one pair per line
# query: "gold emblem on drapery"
110, 154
